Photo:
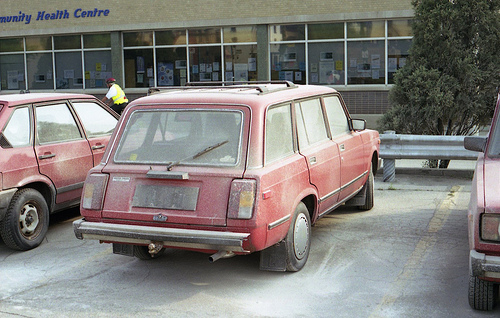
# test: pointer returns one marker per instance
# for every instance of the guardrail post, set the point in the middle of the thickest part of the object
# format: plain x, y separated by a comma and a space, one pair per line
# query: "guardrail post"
389, 165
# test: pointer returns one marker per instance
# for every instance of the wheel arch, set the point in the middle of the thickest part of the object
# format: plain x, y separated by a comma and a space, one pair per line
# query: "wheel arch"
375, 162
48, 192
311, 204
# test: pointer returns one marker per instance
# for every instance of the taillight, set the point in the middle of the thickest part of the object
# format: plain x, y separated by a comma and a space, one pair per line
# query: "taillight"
241, 199
490, 227
93, 191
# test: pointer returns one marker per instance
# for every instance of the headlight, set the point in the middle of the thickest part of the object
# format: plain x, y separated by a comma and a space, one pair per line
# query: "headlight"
490, 227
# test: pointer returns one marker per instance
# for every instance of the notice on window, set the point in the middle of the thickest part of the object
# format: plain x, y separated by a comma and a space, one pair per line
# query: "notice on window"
12, 80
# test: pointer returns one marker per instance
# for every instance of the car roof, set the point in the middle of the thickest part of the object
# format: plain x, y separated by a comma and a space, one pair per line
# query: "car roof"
246, 94
10, 100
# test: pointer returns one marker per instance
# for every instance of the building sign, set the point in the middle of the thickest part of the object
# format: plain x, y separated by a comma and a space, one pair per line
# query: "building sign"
79, 13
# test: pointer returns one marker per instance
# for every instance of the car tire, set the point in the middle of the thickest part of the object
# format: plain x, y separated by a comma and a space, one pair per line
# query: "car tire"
298, 239
483, 295
142, 252
369, 199
27, 220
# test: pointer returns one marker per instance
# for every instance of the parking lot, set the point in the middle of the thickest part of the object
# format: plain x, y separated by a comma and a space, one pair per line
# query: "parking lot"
407, 257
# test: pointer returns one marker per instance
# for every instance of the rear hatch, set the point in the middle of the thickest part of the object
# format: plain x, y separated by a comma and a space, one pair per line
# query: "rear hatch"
174, 165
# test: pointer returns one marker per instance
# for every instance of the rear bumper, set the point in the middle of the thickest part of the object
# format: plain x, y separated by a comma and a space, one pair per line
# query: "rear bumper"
482, 265
171, 237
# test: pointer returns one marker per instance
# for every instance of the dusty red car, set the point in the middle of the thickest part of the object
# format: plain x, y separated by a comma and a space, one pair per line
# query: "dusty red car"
48, 143
484, 218
228, 170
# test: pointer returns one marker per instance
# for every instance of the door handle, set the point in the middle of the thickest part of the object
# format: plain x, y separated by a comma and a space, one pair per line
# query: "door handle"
46, 156
97, 147
312, 160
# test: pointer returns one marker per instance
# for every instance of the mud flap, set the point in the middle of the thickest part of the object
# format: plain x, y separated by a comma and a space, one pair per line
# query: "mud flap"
359, 199
123, 249
273, 258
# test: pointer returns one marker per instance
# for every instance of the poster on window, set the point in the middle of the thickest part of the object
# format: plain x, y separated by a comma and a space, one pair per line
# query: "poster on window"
165, 74
240, 72
12, 80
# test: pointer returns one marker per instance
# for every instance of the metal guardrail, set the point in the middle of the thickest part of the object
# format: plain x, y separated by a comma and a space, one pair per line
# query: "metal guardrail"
397, 146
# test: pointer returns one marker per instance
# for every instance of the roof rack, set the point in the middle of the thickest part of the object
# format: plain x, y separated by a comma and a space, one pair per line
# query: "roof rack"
258, 85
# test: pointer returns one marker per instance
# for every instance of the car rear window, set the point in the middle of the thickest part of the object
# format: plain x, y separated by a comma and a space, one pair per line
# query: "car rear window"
171, 136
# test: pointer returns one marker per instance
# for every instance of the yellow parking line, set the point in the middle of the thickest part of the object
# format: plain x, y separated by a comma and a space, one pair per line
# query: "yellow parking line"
415, 261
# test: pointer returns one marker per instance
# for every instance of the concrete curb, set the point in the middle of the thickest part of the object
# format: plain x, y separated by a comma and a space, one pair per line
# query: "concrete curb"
450, 173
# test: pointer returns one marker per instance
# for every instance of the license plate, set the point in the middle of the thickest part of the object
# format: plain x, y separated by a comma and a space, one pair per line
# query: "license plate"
166, 197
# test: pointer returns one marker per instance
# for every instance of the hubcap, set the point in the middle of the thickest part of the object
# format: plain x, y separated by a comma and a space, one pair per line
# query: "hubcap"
301, 236
28, 219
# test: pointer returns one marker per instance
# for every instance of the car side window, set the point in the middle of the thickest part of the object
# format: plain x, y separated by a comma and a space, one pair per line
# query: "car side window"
336, 116
95, 119
279, 136
17, 130
311, 126
55, 123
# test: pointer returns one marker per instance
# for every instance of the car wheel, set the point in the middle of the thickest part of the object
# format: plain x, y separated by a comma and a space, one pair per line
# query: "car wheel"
142, 252
483, 295
369, 192
298, 239
26, 221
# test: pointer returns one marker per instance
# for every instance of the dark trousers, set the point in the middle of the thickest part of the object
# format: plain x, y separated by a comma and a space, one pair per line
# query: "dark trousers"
118, 108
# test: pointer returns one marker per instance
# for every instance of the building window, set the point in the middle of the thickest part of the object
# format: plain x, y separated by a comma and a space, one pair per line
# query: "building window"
69, 70
133, 39
288, 62
399, 28
398, 51
40, 71
365, 29
138, 68
194, 55
240, 34
171, 66
205, 63
12, 72
240, 63
11, 45
347, 53
325, 31
326, 63
60, 62
39, 43
366, 62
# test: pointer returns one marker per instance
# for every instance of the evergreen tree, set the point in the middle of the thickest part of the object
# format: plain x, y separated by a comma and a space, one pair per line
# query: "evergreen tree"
448, 86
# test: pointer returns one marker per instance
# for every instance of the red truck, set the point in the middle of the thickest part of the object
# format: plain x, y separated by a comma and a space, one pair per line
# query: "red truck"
484, 218
229, 169
48, 143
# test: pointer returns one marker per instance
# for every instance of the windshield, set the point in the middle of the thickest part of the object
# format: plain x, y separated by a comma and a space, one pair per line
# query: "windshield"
494, 142
174, 137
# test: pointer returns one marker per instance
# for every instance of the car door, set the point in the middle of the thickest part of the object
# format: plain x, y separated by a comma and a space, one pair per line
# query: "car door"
62, 152
350, 145
321, 153
98, 124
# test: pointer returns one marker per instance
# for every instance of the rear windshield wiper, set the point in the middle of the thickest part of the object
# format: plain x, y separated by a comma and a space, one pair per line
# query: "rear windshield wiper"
198, 154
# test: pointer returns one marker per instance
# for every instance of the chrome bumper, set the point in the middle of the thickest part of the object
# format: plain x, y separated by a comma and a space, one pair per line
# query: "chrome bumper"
483, 265
171, 237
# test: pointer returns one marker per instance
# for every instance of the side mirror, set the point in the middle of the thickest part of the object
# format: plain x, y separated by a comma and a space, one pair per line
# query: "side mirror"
475, 143
358, 124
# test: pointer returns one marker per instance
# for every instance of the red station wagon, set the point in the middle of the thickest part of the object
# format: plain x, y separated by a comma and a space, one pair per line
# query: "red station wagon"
484, 218
230, 169
48, 143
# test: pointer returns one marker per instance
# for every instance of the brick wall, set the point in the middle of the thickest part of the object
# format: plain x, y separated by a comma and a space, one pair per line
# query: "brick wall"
366, 102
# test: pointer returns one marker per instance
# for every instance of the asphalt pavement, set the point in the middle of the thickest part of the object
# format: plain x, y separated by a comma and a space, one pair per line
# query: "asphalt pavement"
407, 257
